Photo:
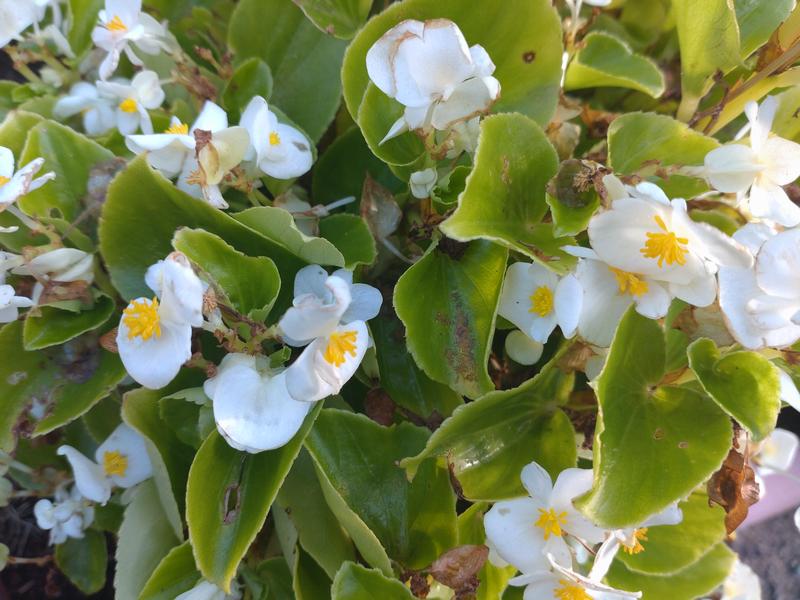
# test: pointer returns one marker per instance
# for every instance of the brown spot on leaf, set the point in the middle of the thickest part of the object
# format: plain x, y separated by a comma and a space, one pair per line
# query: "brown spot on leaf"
452, 248
379, 407
504, 174
529, 56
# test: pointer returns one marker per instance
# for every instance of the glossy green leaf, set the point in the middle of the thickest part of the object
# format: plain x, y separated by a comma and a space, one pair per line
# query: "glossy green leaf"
175, 574
604, 60
488, 441
191, 422
275, 580
53, 327
354, 582
339, 18
83, 561
504, 200
228, 495
82, 19
653, 445
448, 305
415, 522
757, 20
309, 580
744, 384
351, 236
251, 78
304, 61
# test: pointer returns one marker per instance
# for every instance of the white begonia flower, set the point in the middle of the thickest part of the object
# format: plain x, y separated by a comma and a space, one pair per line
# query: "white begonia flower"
522, 349
278, 150
741, 584
15, 17
62, 264
607, 294
16, 183
645, 233
536, 300
8, 261
205, 590
96, 111
252, 405
123, 23
133, 100
428, 68
422, 183
121, 460
777, 453
757, 172
10, 304
67, 516
154, 338
329, 313
524, 530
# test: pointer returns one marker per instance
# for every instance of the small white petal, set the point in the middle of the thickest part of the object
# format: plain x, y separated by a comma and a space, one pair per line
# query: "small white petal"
131, 446
522, 349
89, 476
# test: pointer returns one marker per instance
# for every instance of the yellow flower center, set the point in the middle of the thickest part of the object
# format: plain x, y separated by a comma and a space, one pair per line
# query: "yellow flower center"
551, 522
128, 105
3, 180
665, 245
570, 591
639, 536
116, 24
142, 320
178, 129
542, 301
115, 463
629, 283
274, 139
340, 344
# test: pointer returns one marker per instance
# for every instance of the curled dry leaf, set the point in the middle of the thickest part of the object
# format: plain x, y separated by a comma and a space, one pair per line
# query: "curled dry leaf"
458, 568
734, 488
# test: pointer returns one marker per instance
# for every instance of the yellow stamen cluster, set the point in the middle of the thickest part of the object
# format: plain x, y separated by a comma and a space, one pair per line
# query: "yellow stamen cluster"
629, 283
116, 24
570, 591
551, 522
178, 129
274, 139
128, 105
665, 246
639, 536
340, 344
542, 301
142, 319
3, 180
115, 463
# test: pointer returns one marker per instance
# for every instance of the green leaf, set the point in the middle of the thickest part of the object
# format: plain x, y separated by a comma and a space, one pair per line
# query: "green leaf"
191, 422
250, 283
145, 537
744, 384
305, 62
605, 60
670, 548
488, 441
14, 130
83, 561
71, 156
415, 522
309, 581
175, 574
757, 20
636, 138
448, 305
504, 200
53, 326
653, 445
522, 37
228, 495
275, 579
251, 78
351, 236
339, 18
354, 582
695, 581
82, 19
571, 206
3, 556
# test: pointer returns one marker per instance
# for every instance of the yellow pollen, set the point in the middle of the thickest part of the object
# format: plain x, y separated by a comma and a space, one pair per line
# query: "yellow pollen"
570, 591
115, 463
142, 320
128, 105
3, 180
665, 246
274, 139
551, 522
116, 24
639, 536
542, 301
340, 344
178, 129
629, 283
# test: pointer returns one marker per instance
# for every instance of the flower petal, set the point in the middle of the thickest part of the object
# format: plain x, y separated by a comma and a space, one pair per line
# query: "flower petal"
568, 303
131, 445
511, 527
732, 168
769, 201
89, 477
522, 349
778, 265
155, 362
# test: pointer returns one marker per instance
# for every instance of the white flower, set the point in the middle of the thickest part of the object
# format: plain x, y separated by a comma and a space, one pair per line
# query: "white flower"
741, 584
536, 300
422, 183
252, 405
62, 265
522, 349
205, 590
777, 453
645, 233
66, 517
608, 292
133, 100
123, 23
15, 184
10, 304
430, 70
15, 17
464, 137
201, 166
329, 314
769, 163
121, 460
84, 99
524, 530
155, 335
278, 150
